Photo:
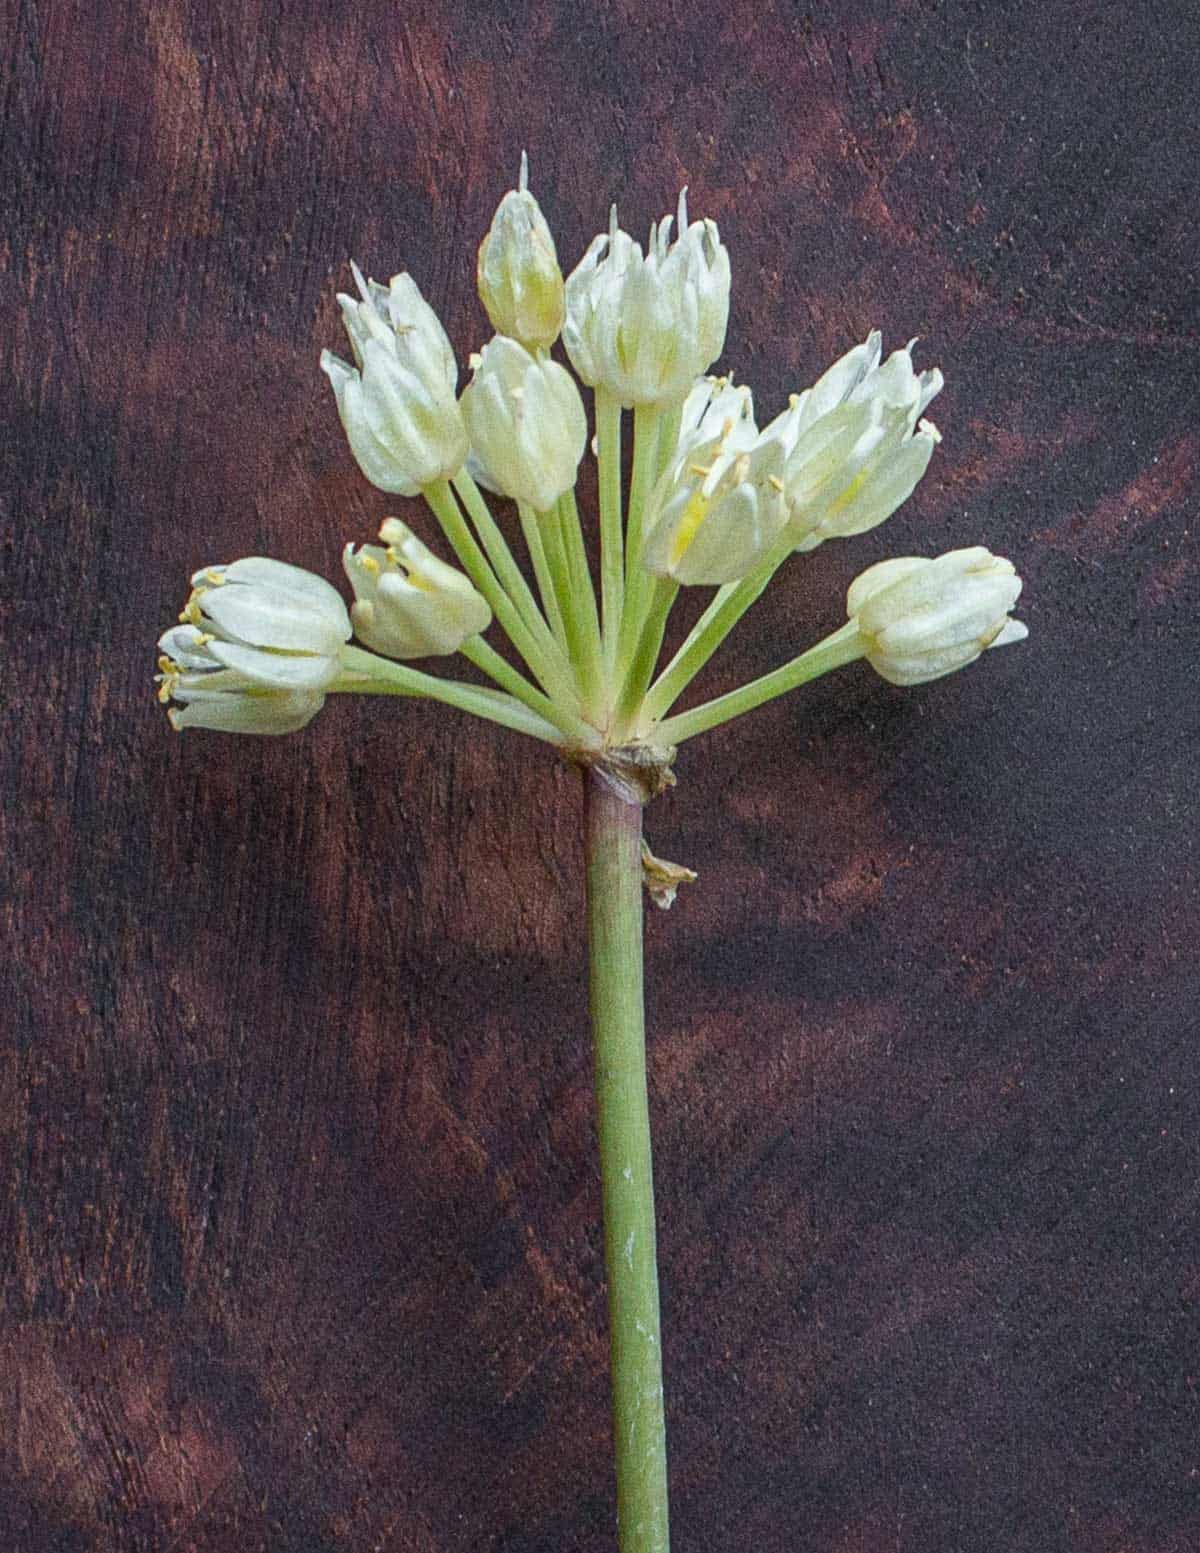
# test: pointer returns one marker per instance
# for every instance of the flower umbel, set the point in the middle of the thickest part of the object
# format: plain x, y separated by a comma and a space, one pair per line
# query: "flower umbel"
712, 500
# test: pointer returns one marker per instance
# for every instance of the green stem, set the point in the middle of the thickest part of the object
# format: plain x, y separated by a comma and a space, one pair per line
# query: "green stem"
583, 601
726, 608
531, 528
613, 830
645, 655
501, 557
485, 657
382, 677
843, 646
612, 539
550, 667
646, 422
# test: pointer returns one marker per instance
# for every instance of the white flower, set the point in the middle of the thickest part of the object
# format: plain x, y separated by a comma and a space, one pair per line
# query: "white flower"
520, 283
527, 423
721, 503
644, 328
259, 645
860, 445
919, 619
408, 604
398, 406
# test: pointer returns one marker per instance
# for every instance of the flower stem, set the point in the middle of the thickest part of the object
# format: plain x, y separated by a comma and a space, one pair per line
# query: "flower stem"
502, 560
638, 581
612, 539
583, 600
485, 657
530, 527
543, 657
367, 675
645, 654
726, 608
613, 831
843, 646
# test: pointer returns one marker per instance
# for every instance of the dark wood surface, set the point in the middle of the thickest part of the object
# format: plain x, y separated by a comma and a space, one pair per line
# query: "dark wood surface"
299, 1199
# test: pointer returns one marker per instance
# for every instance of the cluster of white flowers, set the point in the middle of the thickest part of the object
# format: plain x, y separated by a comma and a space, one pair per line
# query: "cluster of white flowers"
713, 501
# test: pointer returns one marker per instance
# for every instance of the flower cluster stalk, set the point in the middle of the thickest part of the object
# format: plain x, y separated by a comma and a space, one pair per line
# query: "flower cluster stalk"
612, 842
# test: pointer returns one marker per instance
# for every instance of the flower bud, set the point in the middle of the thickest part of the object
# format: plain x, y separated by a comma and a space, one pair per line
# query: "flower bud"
919, 619
720, 504
259, 644
408, 604
645, 328
520, 283
860, 446
398, 406
527, 423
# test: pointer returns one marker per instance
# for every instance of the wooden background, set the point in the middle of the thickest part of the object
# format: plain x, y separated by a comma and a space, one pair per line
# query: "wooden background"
298, 1200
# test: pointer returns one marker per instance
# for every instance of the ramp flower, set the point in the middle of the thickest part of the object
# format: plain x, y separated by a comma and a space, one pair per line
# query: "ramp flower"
397, 404
644, 328
721, 503
258, 645
526, 422
711, 499
408, 603
520, 283
861, 446
918, 619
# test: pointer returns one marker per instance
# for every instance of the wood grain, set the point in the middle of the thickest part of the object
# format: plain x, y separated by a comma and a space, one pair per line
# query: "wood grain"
299, 1196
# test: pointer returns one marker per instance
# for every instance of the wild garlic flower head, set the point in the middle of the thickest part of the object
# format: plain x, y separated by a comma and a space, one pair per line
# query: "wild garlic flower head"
645, 327
861, 446
258, 645
397, 404
408, 603
520, 283
526, 422
919, 619
720, 504
712, 500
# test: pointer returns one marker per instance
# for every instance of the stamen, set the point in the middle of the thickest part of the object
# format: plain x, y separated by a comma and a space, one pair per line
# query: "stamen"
775, 483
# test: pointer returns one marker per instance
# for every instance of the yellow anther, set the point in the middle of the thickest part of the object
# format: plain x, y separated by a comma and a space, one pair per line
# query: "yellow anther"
700, 471
215, 576
775, 483
369, 564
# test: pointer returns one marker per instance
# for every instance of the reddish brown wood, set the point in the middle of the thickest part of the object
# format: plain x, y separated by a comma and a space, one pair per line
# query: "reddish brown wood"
299, 1194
